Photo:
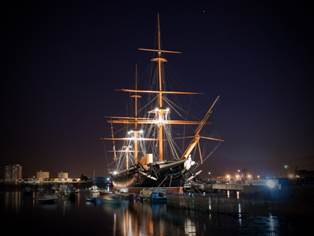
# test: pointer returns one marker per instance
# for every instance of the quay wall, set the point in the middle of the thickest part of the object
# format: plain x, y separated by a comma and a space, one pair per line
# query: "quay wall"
290, 202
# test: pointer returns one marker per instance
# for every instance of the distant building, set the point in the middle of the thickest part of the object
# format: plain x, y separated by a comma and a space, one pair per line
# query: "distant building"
42, 175
12, 173
63, 176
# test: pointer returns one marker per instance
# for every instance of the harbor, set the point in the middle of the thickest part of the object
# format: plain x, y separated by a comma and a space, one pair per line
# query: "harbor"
180, 214
292, 198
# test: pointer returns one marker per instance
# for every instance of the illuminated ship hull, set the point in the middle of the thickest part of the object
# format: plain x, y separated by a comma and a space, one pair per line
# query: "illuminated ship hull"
157, 174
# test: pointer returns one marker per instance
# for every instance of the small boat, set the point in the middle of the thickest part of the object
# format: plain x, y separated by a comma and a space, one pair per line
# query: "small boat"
104, 191
64, 190
158, 197
95, 200
112, 199
145, 194
48, 198
153, 195
94, 189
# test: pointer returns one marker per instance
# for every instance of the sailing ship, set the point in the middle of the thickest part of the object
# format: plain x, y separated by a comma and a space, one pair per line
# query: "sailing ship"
149, 156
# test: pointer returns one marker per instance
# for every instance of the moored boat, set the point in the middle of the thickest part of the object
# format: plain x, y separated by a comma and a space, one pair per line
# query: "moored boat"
94, 189
48, 198
158, 197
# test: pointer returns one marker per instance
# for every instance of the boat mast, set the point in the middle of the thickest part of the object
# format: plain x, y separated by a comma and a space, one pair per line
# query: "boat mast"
159, 63
160, 111
113, 143
136, 132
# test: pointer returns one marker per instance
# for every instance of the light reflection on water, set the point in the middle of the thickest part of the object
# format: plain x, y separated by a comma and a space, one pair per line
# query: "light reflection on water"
239, 213
138, 219
12, 200
142, 219
189, 227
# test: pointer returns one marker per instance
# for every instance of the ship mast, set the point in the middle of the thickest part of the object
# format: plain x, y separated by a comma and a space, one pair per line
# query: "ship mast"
136, 132
161, 112
159, 62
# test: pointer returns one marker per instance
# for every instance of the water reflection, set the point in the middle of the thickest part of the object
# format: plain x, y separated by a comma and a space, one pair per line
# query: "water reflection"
12, 200
33, 198
138, 218
240, 213
78, 199
144, 219
66, 206
273, 224
189, 227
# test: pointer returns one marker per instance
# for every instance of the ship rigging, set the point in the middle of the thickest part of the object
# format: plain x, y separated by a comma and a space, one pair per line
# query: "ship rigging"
142, 159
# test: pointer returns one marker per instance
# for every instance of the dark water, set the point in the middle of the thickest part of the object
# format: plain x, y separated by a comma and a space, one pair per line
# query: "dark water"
22, 213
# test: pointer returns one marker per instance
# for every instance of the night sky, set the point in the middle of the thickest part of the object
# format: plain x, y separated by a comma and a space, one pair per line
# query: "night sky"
65, 60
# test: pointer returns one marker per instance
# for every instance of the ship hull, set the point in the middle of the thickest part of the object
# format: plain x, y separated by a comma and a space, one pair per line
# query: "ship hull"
165, 174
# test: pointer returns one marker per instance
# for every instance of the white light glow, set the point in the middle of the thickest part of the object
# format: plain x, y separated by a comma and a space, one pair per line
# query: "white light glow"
271, 183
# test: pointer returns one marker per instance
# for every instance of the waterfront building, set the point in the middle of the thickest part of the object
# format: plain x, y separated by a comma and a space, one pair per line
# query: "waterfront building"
12, 173
42, 175
63, 176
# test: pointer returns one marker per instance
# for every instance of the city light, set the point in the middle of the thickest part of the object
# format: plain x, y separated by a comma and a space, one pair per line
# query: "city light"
270, 183
227, 176
249, 176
